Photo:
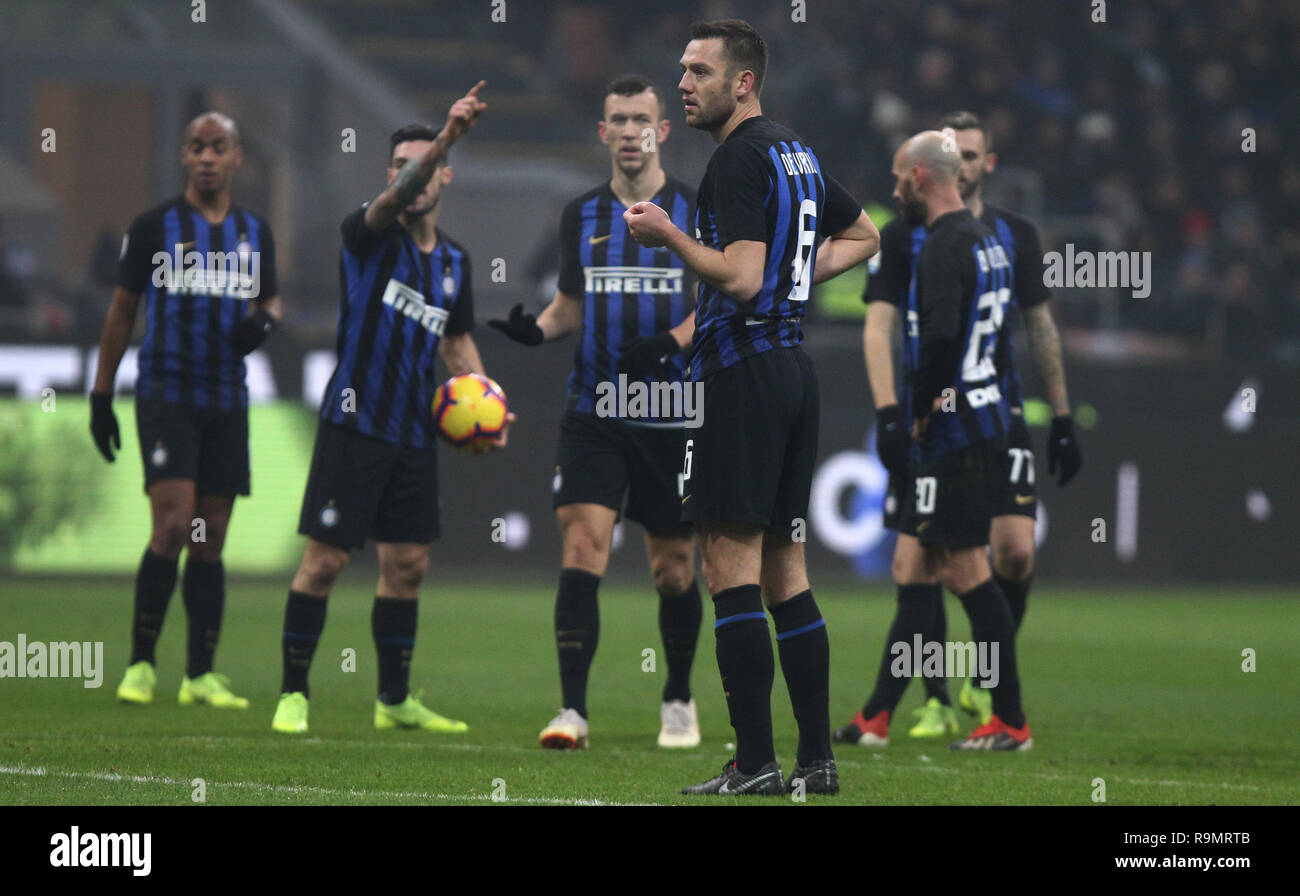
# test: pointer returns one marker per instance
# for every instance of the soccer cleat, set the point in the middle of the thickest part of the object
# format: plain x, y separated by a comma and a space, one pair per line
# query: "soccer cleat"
818, 776
733, 782
679, 726
996, 735
864, 732
210, 688
936, 720
567, 731
976, 701
411, 713
137, 684
291, 714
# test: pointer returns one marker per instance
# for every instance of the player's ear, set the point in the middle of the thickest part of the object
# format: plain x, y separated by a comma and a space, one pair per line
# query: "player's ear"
990, 162
237, 156
600, 129
661, 134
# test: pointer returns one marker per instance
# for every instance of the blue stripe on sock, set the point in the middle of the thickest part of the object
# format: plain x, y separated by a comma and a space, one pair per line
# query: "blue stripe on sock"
781, 636
739, 617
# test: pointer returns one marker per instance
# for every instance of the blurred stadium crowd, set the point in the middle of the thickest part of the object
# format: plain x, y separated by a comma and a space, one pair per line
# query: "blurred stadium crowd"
1162, 129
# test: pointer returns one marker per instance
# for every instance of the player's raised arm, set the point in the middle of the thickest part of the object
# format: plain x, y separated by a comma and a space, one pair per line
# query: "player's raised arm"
408, 183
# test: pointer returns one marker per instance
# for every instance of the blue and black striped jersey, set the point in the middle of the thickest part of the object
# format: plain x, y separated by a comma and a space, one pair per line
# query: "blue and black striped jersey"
195, 278
627, 290
958, 298
763, 184
894, 267
396, 304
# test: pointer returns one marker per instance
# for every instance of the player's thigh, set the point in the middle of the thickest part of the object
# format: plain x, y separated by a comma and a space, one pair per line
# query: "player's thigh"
402, 566
223, 464
591, 463
348, 477
948, 506
672, 562
169, 441
785, 572
797, 376
408, 509
734, 461
654, 463
214, 511
911, 563
1011, 539
731, 553
171, 511
585, 533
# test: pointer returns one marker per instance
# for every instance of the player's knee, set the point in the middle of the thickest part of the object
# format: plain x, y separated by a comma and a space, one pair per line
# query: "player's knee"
170, 535
1014, 561
583, 550
406, 571
673, 576
319, 570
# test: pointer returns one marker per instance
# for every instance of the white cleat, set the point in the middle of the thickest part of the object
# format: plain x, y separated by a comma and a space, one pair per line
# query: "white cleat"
567, 731
679, 726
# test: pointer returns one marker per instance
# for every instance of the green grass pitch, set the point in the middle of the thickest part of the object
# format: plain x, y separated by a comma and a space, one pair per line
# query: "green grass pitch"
1141, 688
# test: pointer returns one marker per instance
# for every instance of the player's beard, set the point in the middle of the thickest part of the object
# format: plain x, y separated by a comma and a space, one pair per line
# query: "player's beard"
967, 188
712, 120
912, 208
414, 212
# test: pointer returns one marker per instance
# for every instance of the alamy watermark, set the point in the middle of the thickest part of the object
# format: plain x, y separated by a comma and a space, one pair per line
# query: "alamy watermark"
946, 659
667, 402
55, 659
1129, 270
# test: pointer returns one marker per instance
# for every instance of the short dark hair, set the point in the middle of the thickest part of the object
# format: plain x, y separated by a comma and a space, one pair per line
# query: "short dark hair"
743, 46
414, 132
632, 85
967, 121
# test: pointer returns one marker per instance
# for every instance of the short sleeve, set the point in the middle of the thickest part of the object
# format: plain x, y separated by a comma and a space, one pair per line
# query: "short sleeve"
270, 284
1030, 289
889, 271
740, 196
461, 319
358, 238
840, 209
571, 281
135, 265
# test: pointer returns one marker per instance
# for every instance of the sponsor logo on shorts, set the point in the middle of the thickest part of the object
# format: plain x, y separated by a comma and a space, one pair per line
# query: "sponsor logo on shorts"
329, 516
159, 456
557, 481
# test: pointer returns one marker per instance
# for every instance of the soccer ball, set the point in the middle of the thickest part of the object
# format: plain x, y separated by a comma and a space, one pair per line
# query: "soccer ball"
470, 411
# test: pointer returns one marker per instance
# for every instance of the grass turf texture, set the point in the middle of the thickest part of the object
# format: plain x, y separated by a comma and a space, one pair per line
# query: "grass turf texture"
1141, 688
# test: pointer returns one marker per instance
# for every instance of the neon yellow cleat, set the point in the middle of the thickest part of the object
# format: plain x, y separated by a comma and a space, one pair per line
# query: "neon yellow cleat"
936, 720
210, 688
291, 714
137, 684
976, 701
411, 713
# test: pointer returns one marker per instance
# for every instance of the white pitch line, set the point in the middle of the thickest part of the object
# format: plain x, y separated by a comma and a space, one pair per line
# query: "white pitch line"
38, 772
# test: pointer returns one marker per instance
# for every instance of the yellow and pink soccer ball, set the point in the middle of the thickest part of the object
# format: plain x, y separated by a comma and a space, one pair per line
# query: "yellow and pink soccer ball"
470, 411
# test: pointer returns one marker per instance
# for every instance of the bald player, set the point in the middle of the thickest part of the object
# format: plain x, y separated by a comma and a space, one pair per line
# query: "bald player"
205, 269
959, 418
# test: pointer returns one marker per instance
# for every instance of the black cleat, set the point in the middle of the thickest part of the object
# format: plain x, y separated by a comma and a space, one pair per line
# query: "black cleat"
734, 782
818, 776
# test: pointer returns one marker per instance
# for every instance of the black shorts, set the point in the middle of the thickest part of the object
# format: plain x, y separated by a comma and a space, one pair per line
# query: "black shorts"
752, 459
365, 488
947, 501
207, 446
601, 461
1014, 491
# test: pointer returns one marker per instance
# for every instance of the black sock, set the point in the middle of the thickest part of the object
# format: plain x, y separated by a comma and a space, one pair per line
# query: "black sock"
304, 620
679, 624
203, 589
1017, 594
936, 686
805, 652
990, 623
747, 666
154, 583
912, 618
577, 630
392, 622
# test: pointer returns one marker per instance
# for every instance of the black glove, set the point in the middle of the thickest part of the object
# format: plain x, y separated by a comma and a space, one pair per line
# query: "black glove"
646, 356
521, 327
251, 331
103, 424
1063, 450
891, 438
